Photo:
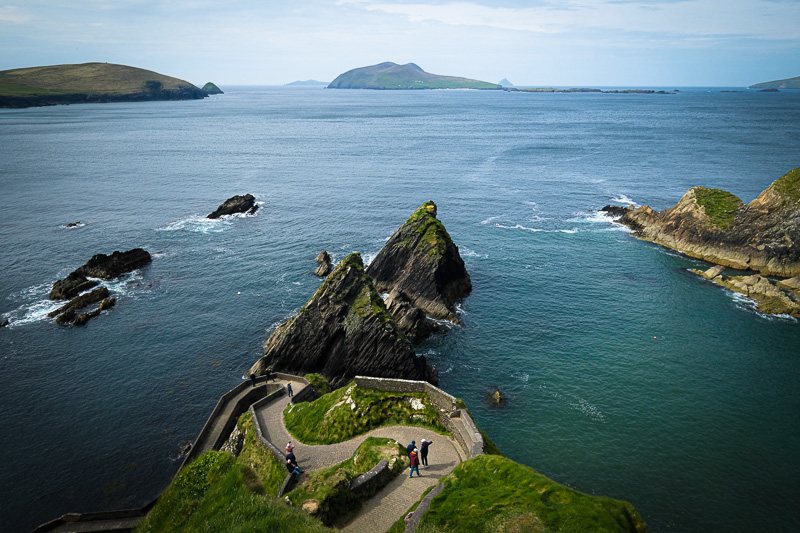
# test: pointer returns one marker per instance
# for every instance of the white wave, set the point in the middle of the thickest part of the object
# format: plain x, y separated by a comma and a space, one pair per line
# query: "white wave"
622, 199
384, 296
537, 218
748, 304
73, 225
460, 310
490, 219
534, 204
466, 252
573, 230
519, 226
199, 224
587, 409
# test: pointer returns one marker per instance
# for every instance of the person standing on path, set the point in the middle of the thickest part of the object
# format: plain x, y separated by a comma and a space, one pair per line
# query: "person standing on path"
289, 447
253, 379
293, 469
291, 458
289, 389
423, 452
413, 457
410, 447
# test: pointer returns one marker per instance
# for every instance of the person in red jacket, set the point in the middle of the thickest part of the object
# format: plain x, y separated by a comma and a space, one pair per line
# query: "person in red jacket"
414, 458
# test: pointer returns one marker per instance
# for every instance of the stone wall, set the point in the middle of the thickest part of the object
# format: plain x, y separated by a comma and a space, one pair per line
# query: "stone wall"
378, 476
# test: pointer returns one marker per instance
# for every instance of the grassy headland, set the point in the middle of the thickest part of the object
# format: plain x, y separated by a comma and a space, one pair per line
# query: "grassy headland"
720, 206
403, 77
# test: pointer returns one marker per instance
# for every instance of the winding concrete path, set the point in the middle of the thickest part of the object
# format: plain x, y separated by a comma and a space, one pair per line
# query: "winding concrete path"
390, 503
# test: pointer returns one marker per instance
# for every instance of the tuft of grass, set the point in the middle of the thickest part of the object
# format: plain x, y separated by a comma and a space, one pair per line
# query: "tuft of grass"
489, 493
213, 495
269, 471
351, 411
319, 383
330, 487
788, 185
720, 206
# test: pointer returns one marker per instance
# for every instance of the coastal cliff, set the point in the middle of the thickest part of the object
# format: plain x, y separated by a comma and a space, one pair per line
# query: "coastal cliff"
421, 264
716, 226
344, 330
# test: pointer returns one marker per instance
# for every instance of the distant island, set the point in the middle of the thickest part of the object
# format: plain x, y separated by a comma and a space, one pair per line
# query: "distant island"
403, 77
90, 83
210, 88
791, 83
307, 83
505, 83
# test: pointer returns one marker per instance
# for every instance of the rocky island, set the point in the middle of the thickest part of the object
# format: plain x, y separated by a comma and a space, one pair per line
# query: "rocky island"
344, 330
89, 83
716, 226
245, 203
403, 77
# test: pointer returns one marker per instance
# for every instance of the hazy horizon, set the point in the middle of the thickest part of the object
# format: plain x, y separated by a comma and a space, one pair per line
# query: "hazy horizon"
614, 43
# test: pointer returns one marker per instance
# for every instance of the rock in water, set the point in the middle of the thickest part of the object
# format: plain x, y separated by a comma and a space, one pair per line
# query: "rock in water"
411, 320
69, 287
325, 265
100, 266
716, 226
236, 204
421, 262
344, 330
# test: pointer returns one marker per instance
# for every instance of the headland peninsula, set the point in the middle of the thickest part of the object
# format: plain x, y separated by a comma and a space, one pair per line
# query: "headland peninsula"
391, 76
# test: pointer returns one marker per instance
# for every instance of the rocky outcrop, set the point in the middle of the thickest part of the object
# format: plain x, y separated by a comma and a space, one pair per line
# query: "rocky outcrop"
69, 287
66, 313
768, 296
344, 330
211, 88
411, 320
325, 265
421, 263
716, 226
236, 204
99, 266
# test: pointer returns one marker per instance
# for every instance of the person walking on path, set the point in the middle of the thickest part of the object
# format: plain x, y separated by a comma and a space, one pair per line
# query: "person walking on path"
289, 389
253, 379
413, 457
293, 469
289, 447
410, 447
423, 452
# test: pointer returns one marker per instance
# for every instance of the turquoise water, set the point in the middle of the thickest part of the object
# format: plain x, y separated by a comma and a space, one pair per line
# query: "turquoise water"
627, 376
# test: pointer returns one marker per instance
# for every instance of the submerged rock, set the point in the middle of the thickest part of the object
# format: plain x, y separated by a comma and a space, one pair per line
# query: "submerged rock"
715, 225
768, 296
236, 204
421, 263
344, 330
325, 265
66, 313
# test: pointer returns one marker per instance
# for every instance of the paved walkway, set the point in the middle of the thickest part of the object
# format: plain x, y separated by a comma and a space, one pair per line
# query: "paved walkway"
390, 503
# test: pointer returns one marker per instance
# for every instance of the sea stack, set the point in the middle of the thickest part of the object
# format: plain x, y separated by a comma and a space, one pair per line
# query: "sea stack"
245, 203
344, 330
421, 264
716, 226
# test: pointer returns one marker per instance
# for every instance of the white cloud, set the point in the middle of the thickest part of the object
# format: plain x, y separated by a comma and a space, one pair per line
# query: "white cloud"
14, 15
762, 19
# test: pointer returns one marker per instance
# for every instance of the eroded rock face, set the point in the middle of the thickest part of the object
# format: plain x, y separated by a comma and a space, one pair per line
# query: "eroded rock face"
236, 204
344, 330
421, 263
716, 226
411, 320
325, 265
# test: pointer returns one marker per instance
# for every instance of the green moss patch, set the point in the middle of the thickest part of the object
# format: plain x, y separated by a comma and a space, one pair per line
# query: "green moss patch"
351, 411
329, 488
494, 494
319, 383
720, 206
789, 185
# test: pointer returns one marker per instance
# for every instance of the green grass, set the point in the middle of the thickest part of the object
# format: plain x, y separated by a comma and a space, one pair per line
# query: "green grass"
269, 470
319, 383
216, 493
720, 206
789, 185
330, 487
351, 411
491, 494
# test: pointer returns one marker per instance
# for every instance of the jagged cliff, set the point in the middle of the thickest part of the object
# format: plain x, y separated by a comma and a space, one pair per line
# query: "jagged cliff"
779, 298
716, 226
344, 330
421, 264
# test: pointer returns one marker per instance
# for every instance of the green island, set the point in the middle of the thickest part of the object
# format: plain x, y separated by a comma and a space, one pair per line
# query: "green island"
90, 83
391, 76
221, 491
789, 83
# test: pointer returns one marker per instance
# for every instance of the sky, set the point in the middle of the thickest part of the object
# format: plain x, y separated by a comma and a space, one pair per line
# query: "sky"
634, 43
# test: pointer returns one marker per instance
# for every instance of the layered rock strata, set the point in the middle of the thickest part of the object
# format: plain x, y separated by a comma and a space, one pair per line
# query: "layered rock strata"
344, 330
421, 264
325, 265
716, 226
768, 296
245, 203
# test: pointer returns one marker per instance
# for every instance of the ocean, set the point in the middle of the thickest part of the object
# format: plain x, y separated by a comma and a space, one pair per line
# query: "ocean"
626, 375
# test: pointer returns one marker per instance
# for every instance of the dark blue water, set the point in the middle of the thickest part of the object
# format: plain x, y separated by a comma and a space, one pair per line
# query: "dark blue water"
627, 376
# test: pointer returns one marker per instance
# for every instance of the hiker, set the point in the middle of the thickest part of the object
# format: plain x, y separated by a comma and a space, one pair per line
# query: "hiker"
423, 452
410, 447
289, 389
289, 447
291, 458
293, 469
267, 372
413, 458
253, 378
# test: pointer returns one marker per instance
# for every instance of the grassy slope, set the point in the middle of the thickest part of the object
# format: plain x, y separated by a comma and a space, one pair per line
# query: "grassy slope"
720, 206
789, 83
351, 411
494, 494
86, 78
789, 185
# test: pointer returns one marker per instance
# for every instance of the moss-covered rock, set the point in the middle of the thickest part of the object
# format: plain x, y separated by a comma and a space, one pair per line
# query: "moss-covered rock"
344, 330
421, 263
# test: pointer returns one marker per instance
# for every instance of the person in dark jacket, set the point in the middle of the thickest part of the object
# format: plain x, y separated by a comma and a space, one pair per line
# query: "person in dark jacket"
293, 469
253, 378
291, 458
423, 452
410, 447
413, 457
